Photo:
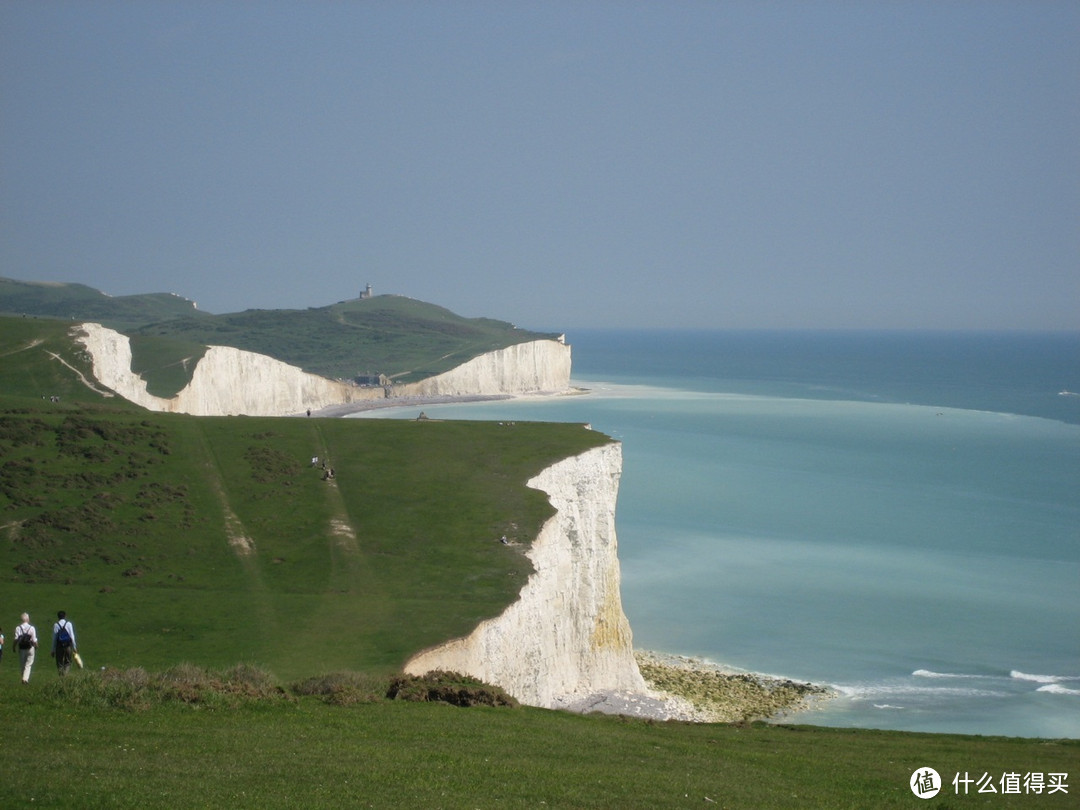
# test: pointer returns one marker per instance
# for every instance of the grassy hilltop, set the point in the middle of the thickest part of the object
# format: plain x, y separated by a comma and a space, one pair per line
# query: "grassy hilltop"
69, 302
251, 614
404, 339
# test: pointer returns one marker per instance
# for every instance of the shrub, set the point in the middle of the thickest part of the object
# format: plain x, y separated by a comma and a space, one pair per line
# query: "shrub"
343, 688
448, 687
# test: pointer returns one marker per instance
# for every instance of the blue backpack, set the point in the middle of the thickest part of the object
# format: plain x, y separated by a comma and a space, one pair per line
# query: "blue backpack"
63, 637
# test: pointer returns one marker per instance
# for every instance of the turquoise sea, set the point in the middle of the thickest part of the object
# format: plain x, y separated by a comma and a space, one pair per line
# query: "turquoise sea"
894, 514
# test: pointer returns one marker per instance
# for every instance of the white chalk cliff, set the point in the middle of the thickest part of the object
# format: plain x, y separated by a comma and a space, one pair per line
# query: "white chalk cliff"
566, 637
228, 381
538, 366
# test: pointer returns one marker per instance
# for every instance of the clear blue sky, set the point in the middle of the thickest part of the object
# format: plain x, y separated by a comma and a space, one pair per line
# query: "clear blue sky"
555, 164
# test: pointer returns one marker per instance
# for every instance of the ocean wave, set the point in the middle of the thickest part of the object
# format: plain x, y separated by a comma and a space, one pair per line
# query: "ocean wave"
926, 673
876, 690
1058, 689
1024, 676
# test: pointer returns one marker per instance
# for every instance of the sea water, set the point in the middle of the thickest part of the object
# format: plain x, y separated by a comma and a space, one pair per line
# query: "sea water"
894, 515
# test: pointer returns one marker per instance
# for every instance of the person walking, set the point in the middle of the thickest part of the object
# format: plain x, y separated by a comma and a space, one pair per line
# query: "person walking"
63, 643
1, 643
26, 642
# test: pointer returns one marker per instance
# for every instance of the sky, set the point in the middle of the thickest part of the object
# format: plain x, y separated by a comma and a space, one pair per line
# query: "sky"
765, 164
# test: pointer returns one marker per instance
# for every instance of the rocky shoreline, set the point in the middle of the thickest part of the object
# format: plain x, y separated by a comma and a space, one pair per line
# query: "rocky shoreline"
715, 694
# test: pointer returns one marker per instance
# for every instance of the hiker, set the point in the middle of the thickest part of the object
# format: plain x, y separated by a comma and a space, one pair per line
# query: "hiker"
26, 642
1, 643
63, 643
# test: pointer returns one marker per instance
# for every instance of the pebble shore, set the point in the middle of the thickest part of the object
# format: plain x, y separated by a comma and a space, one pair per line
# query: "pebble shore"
719, 695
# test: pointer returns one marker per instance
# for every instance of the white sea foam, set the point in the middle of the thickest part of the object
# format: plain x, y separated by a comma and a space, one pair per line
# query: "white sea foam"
1058, 689
1024, 676
871, 690
926, 673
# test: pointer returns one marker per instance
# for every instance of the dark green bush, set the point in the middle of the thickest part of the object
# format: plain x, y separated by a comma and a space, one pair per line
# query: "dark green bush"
448, 687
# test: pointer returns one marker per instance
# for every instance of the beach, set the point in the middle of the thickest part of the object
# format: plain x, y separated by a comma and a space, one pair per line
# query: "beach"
361, 406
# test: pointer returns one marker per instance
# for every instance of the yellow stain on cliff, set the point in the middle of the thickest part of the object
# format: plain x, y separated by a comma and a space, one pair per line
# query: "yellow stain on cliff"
611, 630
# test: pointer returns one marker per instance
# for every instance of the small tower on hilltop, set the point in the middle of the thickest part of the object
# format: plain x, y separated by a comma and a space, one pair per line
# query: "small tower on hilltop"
366, 293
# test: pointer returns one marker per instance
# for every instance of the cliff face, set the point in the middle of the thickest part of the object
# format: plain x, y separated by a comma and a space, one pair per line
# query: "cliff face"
540, 366
226, 381
230, 381
566, 637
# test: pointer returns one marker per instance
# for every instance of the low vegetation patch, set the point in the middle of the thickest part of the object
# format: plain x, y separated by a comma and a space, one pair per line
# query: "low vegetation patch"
343, 688
136, 689
447, 687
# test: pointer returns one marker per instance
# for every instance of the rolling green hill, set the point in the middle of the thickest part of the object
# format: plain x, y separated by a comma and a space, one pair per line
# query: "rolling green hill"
81, 303
215, 540
402, 338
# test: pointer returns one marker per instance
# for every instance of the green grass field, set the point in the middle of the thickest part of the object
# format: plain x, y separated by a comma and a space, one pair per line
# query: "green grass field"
215, 541
305, 752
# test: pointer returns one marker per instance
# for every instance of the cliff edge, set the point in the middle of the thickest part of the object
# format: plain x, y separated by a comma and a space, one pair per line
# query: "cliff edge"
566, 638
228, 381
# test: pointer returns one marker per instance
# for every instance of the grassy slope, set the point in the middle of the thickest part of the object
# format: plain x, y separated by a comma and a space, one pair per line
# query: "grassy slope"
127, 524
79, 302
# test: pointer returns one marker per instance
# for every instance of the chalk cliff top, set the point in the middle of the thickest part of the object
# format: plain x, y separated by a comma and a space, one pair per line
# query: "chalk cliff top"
403, 339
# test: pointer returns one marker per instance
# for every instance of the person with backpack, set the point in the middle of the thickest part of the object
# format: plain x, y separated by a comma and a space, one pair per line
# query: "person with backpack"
26, 643
63, 643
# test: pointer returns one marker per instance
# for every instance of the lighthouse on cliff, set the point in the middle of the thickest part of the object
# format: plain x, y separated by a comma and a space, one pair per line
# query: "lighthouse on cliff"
366, 293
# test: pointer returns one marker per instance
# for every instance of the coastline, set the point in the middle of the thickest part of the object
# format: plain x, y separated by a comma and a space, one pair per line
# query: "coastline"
348, 408
681, 688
